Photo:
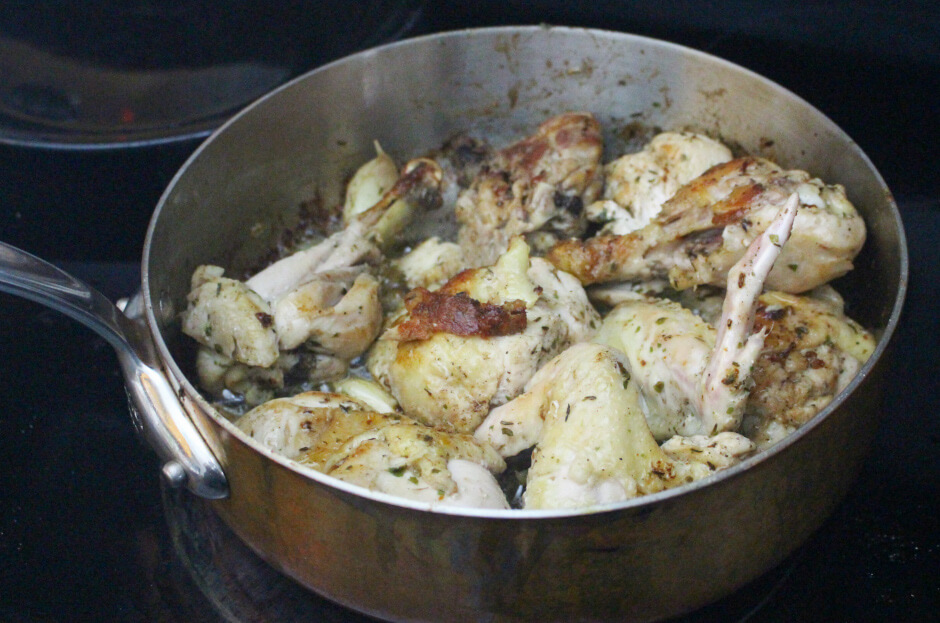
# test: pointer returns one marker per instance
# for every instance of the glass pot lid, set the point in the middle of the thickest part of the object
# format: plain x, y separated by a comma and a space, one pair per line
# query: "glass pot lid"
107, 73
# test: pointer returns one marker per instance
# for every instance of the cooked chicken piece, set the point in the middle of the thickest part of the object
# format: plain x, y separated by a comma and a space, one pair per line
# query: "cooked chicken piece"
693, 380
476, 487
431, 263
811, 352
335, 259
669, 348
709, 223
337, 255
538, 185
727, 375
452, 377
369, 184
343, 438
636, 185
583, 412
294, 425
228, 317
417, 188
609, 295
335, 315
714, 452
327, 317
320, 299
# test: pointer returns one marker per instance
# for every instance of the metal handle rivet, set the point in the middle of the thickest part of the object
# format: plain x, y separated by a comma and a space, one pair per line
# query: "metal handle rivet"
174, 473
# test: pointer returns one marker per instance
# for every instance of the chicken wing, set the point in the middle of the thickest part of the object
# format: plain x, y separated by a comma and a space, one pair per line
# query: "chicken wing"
321, 299
694, 379
709, 223
583, 413
539, 185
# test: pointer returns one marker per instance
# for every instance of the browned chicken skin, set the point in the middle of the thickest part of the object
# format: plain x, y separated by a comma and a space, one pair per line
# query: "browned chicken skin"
811, 352
707, 225
537, 187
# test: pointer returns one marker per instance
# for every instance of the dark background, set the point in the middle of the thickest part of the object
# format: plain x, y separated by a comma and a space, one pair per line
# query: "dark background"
82, 530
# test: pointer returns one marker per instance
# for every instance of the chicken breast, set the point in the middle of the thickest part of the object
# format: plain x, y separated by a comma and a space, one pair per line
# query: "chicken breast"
390, 453
636, 185
450, 380
708, 224
537, 187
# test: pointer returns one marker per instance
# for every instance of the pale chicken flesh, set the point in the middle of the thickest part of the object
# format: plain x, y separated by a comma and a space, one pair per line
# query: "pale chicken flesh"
812, 350
636, 185
582, 412
230, 318
434, 365
431, 263
695, 380
390, 453
323, 300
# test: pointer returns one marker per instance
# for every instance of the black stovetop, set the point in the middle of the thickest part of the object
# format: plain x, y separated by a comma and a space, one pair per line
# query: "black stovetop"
84, 531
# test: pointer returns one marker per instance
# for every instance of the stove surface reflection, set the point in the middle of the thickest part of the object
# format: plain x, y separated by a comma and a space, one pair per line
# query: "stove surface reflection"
243, 587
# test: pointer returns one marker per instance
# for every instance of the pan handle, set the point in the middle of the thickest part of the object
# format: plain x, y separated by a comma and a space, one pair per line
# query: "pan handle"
155, 408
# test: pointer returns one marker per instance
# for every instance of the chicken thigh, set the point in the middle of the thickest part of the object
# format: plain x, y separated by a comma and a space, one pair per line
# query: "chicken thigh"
230, 318
537, 187
709, 223
390, 453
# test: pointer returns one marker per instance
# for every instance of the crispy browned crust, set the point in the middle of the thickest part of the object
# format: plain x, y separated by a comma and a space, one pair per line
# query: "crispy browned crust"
592, 261
458, 314
508, 179
598, 259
